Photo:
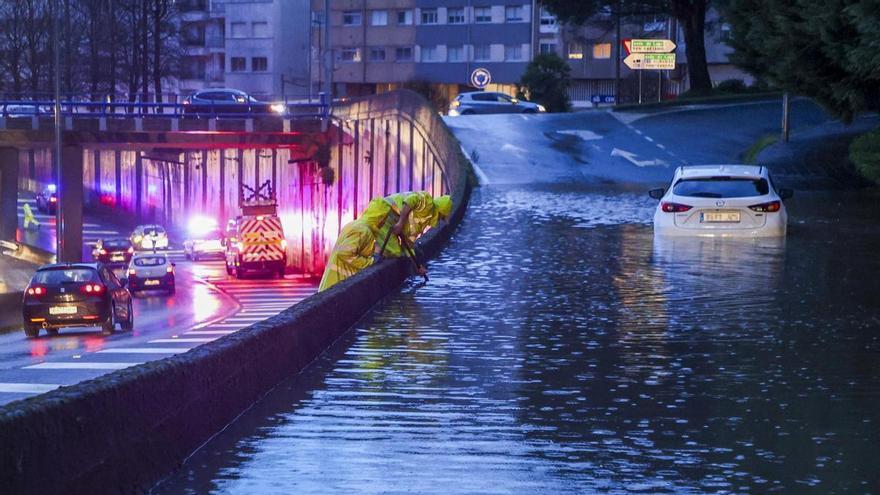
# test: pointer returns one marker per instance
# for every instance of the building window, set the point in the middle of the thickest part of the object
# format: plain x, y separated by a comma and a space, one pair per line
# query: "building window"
575, 50
380, 18
377, 54
601, 50
547, 48
261, 29
238, 30
429, 16
430, 54
725, 32
513, 13
403, 54
455, 53
482, 53
455, 15
238, 64
349, 54
404, 17
547, 19
482, 15
351, 18
513, 53
259, 64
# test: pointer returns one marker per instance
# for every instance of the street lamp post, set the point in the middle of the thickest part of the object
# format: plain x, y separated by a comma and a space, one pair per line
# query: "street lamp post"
60, 185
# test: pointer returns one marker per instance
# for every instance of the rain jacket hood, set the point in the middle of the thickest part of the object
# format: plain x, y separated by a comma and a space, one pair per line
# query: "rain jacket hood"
375, 213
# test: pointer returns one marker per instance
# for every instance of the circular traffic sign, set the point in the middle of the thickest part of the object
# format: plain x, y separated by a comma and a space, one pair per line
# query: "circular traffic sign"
480, 78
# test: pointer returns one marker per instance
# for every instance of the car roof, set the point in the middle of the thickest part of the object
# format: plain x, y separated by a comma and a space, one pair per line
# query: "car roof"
693, 171
53, 266
228, 90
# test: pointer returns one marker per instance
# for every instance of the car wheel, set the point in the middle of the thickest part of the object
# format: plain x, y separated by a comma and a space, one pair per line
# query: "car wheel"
31, 331
128, 324
109, 326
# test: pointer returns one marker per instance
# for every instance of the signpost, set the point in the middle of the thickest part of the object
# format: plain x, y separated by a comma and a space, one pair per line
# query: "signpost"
649, 54
480, 78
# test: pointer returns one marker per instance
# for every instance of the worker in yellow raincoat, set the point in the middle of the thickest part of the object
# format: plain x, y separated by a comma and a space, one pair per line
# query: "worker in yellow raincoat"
29, 216
356, 244
412, 214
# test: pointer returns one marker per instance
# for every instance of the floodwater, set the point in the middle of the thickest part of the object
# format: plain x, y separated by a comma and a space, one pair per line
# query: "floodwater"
560, 348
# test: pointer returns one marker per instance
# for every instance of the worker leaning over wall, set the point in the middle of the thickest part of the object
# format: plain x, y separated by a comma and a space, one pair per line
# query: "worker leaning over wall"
412, 213
356, 244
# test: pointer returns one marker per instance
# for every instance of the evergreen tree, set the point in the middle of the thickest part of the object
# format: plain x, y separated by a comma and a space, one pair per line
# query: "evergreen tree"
546, 81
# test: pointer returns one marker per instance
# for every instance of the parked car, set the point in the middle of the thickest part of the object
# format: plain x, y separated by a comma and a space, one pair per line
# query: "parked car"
47, 200
151, 271
206, 240
225, 100
76, 295
114, 251
19, 110
482, 102
149, 237
721, 200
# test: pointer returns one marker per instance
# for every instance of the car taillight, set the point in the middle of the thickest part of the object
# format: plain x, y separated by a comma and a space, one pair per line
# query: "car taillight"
132, 272
674, 207
130, 250
92, 288
36, 291
767, 207
53, 199
169, 269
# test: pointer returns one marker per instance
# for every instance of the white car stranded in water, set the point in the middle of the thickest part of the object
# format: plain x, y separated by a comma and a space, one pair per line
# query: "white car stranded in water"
722, 201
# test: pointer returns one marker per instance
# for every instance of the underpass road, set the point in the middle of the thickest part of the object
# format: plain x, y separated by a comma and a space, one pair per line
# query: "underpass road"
207, 305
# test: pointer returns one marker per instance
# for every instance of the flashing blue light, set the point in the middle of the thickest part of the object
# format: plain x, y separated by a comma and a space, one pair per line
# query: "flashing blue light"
52, 187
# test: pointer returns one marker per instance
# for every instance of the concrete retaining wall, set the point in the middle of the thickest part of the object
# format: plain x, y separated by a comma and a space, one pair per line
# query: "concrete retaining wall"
10, 311
123, 431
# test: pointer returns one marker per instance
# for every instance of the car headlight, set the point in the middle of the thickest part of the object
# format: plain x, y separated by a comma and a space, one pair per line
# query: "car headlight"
541, 108
277, 108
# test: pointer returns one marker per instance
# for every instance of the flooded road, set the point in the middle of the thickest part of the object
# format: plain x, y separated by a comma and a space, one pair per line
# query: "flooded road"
560, 348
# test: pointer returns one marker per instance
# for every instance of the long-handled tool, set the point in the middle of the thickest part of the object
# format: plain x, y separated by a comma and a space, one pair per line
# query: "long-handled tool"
410, 253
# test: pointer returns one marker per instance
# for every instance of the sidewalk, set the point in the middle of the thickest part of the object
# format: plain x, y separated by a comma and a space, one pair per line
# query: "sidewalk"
818, 157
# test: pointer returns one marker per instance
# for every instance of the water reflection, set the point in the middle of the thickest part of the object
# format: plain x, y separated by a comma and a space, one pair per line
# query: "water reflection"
553, 354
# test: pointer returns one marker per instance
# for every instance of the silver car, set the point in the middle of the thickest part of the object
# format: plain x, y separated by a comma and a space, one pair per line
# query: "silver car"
482, 102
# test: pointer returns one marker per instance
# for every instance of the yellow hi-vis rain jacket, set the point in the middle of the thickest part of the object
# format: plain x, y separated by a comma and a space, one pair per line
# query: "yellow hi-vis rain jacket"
425, 213
355, 246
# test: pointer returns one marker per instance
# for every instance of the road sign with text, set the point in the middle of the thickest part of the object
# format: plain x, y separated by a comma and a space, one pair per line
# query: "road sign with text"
650, 61
648, 46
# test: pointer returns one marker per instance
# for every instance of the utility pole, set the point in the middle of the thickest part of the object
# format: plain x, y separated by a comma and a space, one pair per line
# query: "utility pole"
617, 55
60, 185
786, 108
328, 53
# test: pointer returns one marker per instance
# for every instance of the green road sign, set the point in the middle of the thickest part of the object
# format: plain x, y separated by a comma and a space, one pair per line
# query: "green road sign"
649, 46
650, 61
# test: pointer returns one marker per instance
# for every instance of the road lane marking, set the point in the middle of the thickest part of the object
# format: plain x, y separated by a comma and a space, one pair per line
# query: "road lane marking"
81, 366
661, 147
649, 139
146, 350
227, 325
174, 341
210, 332
637, 131
27, 388
631, 157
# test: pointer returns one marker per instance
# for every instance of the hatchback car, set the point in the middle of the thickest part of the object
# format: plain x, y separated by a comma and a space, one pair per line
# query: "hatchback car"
76, 295
224, 100
721, 200
116, 251
151, 271
149, 237
47, 200
481, 102
205, 240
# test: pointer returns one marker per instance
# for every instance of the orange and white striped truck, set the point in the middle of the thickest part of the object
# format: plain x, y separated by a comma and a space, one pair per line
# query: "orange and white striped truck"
257, 243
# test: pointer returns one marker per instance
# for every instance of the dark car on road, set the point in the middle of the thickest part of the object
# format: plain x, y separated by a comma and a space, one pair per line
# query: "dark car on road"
76, 295
47, 200
113, 252
223, 101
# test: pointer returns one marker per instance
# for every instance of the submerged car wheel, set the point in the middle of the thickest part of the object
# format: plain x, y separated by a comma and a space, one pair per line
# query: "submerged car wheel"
128, 324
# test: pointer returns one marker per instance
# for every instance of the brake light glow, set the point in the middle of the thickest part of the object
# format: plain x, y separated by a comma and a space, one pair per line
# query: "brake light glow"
132, 272
130, 250
169, 269
770, 207
92, 288
674, 207
53, 199
36, 291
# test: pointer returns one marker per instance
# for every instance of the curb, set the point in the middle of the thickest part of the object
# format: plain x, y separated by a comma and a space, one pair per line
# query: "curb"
704, 100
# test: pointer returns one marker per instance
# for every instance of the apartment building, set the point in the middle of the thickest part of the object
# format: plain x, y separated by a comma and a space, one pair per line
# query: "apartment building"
377, 45
258, 46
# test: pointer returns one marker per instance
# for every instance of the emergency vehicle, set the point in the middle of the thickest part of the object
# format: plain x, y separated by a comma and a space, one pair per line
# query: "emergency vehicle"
257, 243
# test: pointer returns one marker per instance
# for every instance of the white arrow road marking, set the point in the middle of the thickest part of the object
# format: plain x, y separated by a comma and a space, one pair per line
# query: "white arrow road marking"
585, 135
81, 366
631, 157
516, 150
27, 388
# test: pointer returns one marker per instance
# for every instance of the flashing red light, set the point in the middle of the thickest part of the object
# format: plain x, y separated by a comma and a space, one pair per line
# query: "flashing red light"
92, 288
36, 291
770, 207
674, 207
132, 273
53, 199
169, 269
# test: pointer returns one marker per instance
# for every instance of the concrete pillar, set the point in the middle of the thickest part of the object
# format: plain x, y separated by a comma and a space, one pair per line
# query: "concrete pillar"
187, 174
222, 175
117, 163
357, 167
96, 159
138, 186
8, 193
70, 198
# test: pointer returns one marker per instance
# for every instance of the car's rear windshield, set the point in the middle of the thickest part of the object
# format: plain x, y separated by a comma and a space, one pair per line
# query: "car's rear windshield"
149, 261
117, 244
154, 231
54, 276
721, 187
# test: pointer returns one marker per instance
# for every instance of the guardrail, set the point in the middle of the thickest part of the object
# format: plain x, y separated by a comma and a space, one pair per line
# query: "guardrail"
11, 109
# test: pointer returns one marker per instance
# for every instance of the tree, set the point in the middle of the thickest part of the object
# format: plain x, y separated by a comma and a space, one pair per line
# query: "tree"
546, 81
825, 49
690, 13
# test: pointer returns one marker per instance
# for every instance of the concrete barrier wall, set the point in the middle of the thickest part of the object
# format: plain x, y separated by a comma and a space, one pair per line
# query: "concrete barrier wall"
123, 431
10, 311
